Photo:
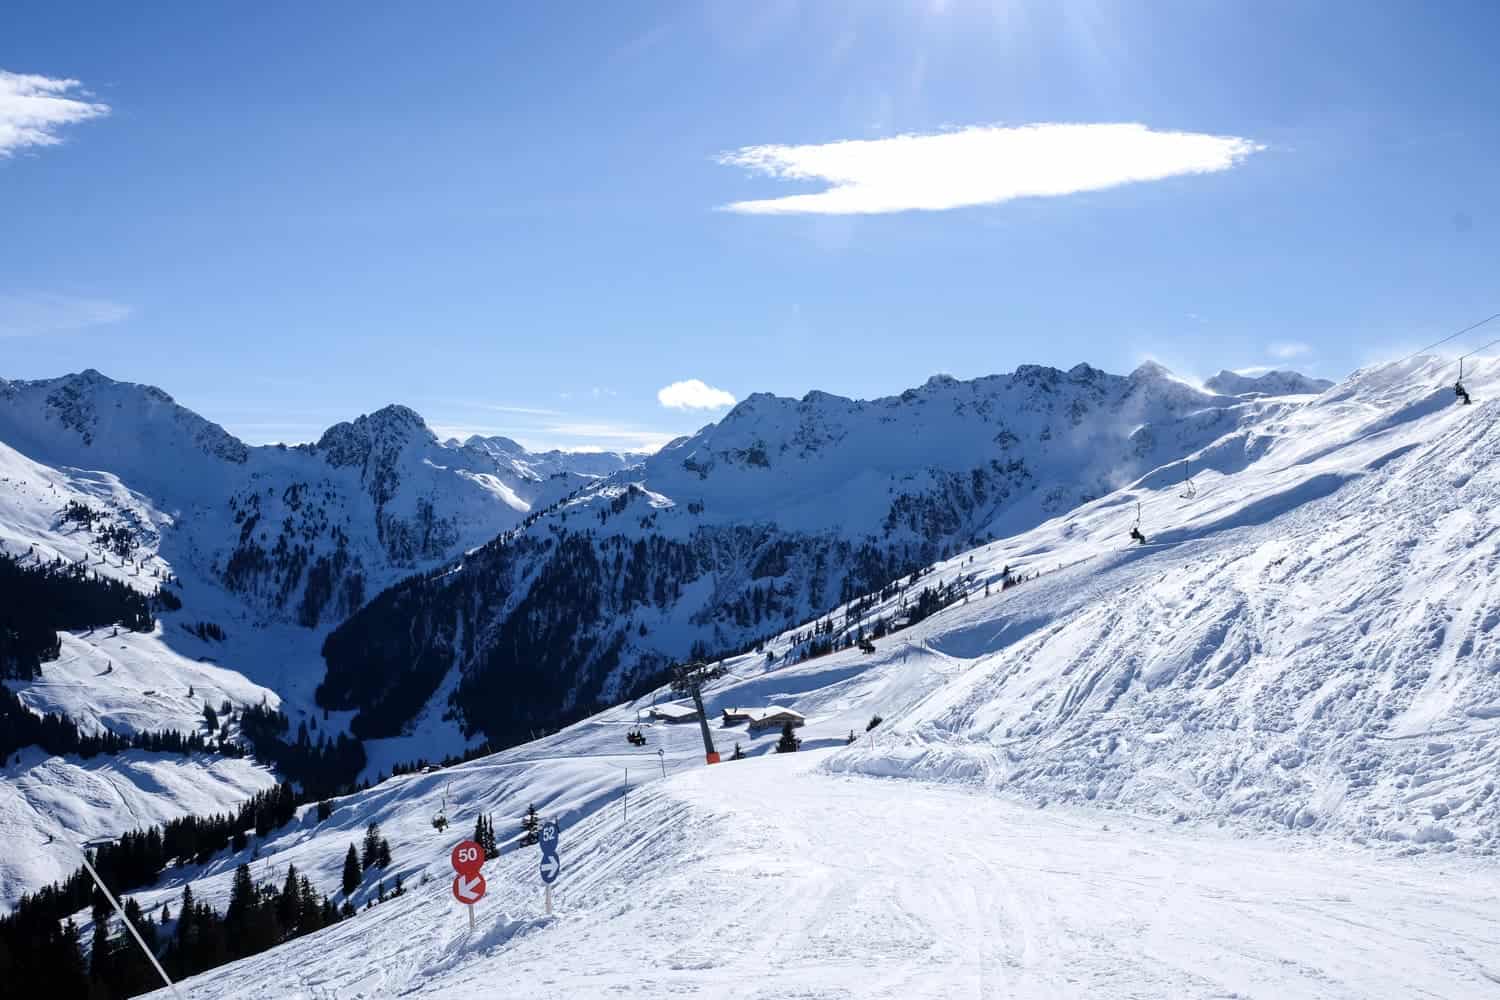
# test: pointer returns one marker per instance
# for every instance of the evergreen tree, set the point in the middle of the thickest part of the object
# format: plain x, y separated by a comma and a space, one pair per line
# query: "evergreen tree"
309, 907
383, 854
371, 853
490, 845
352, 871
242, 897
99, 947
210, 717
479, 835
789, 741
288, 902
531, 827
185, 917
133, 973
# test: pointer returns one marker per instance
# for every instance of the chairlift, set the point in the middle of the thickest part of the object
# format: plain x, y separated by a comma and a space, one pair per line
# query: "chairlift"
1135, 529
440, 821
1188, 489
1458, 386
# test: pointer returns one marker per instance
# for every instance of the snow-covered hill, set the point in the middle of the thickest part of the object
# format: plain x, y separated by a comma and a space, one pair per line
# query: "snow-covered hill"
767, 518
1302, 653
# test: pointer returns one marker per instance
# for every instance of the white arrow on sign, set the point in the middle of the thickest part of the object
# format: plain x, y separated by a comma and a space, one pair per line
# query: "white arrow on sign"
550, 865
466, 888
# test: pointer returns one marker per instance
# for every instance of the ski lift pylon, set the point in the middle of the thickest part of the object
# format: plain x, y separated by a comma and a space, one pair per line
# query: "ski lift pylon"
1188, 489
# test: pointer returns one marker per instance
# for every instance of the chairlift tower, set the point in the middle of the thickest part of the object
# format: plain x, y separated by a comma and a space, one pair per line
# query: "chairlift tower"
688, 679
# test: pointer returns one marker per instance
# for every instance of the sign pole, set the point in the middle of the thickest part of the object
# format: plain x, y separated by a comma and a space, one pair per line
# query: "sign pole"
550, 867
468, 883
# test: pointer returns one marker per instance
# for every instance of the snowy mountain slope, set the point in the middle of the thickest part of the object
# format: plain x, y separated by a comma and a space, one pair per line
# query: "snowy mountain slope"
1309, 643
259, 542
765, 519
301, 533
50, 805
1272, 383
545, 464
767, 879
1303, 651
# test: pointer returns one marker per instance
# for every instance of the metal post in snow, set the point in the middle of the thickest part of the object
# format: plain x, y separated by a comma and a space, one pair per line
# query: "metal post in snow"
150, 956
663, 755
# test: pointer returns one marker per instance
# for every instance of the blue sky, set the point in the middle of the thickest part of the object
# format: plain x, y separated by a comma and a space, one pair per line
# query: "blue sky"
513, 218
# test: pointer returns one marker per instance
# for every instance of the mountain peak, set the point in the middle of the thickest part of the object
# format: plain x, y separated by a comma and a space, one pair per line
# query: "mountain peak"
1151, 370
1270, 383
388, 430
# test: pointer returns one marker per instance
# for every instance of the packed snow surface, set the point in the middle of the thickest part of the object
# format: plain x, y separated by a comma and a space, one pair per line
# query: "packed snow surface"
765, 878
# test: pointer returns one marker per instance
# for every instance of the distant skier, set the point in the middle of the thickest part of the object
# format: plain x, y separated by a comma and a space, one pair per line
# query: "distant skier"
1461, 393
1135, 533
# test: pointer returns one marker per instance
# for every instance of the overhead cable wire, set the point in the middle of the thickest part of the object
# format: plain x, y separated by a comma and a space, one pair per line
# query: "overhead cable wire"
1451, 336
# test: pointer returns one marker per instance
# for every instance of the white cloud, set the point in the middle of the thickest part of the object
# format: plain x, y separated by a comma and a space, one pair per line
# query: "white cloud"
525, 411
1289, 349
693, 394
979, 165
33, 108
35, 314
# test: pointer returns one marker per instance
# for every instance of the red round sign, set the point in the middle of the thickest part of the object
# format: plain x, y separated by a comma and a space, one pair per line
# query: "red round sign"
467, 857
468, 888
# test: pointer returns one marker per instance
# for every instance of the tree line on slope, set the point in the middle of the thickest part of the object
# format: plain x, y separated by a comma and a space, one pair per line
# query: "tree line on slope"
39, 599
59, 735
40, 946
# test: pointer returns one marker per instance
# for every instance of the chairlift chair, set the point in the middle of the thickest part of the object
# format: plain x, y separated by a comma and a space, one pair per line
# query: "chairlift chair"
1135, 529
1188, 489
1458, 386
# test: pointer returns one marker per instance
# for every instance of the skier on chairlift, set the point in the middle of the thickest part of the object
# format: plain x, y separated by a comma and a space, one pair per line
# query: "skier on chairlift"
1135, 529
1458, 385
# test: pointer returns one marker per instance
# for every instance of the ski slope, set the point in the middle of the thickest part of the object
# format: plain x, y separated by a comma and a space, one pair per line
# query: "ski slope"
767, 878
1282, 708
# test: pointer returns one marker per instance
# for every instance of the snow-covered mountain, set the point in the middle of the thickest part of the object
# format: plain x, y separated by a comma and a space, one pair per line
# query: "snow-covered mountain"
1130, 771
269, 545
1302, 651
543, 464
1272, 383
767, 518
303, 533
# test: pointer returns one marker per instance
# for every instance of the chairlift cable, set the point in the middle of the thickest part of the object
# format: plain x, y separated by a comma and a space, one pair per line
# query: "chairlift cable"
1451, 336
